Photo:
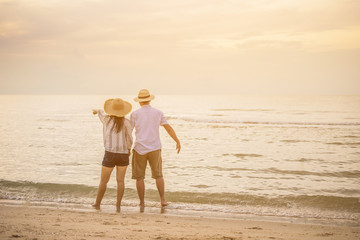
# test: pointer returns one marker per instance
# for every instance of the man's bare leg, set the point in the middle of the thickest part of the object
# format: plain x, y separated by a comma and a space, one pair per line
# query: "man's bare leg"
140, 186
160, 184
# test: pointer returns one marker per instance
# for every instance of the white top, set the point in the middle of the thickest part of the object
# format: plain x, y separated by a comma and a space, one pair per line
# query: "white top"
147, 121
120, 142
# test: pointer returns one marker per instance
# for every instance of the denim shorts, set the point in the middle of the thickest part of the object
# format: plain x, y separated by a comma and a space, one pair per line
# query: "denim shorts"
111, 159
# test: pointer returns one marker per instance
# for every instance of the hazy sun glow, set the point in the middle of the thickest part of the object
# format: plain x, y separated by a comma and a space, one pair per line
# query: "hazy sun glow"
177, 47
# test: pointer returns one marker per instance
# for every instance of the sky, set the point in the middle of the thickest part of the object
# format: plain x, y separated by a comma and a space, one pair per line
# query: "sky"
180, 46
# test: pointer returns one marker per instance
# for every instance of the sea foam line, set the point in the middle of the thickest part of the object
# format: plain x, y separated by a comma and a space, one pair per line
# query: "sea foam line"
255, 122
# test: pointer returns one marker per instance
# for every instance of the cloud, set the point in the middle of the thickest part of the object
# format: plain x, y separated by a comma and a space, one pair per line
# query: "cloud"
10, 29
90, 42
170, 23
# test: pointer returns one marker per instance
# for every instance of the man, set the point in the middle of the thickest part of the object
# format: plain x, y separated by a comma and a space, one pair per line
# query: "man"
147, 147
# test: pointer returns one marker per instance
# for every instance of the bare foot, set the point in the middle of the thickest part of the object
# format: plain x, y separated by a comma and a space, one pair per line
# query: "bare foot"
142, 207
164, 203
118, 207
96, 206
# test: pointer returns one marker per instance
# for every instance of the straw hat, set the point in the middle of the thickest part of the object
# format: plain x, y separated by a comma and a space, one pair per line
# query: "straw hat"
117, 107
144, 96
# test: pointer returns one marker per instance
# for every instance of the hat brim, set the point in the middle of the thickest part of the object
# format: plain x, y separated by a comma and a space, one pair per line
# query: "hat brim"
151, 97
118, 113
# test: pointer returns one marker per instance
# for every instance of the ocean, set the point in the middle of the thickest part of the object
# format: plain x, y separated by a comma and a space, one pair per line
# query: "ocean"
281, 156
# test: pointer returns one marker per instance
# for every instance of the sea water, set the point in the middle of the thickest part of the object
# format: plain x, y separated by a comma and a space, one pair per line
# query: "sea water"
296, 156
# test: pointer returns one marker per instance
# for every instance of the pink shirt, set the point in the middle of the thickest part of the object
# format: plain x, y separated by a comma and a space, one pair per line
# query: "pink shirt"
147, 121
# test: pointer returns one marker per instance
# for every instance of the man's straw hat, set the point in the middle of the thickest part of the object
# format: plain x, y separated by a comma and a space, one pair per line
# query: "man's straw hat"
144, 96
117, 107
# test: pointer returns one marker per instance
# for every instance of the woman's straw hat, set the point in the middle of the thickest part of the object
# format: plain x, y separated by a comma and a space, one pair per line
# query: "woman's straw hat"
144, 96
117, 107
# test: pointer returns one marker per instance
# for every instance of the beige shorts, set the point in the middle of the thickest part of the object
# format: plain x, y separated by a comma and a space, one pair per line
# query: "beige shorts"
139, 163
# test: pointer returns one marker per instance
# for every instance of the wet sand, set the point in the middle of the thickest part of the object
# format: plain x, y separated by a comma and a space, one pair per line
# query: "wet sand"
35, 223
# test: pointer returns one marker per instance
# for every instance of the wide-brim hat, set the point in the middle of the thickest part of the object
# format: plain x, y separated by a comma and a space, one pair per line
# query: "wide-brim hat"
117, 107
144, 96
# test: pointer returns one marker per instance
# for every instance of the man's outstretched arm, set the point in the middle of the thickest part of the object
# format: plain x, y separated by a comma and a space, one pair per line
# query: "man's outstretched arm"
172, 134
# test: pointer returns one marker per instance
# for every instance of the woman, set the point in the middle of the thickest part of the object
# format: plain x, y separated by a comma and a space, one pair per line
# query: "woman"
117, 135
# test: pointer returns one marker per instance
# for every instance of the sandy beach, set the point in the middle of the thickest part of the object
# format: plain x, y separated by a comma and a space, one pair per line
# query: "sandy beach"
29, 222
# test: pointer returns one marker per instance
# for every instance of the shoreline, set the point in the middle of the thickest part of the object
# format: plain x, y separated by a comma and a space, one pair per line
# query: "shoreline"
28, 221
174, 210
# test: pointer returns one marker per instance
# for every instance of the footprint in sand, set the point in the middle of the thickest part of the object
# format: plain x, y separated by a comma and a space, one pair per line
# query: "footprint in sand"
110, 223
256, 228
324, 234
15, 236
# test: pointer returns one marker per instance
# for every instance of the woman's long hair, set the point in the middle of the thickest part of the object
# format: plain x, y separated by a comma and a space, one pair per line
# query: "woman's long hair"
118, 123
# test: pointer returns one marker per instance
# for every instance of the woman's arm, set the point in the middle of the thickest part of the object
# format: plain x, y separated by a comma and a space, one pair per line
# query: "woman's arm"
102, 115
128, 134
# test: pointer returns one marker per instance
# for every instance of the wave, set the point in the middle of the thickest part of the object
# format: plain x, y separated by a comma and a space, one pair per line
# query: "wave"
243, 155
344, 143
351, 136
345, 174
305, 160
74, 193
293, 141
274, 110
53, 120
243, 110
259, 122
340, 174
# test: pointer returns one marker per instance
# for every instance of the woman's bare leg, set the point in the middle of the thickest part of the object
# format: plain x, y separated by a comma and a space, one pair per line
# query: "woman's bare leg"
120, 177
105, 176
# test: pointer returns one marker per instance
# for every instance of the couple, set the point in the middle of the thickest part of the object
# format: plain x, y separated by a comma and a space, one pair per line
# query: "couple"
117, 133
